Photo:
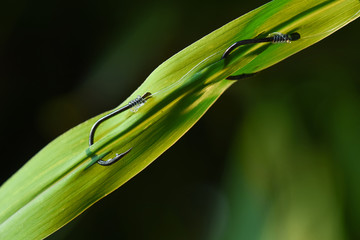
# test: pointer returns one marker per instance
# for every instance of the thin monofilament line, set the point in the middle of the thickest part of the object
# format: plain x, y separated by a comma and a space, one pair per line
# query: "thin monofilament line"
184, 76
276, 38
334, 29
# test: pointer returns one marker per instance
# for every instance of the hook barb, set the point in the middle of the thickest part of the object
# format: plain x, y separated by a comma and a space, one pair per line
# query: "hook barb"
113, 160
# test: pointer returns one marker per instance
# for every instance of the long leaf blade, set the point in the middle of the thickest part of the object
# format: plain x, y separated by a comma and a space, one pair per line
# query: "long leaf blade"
56, 185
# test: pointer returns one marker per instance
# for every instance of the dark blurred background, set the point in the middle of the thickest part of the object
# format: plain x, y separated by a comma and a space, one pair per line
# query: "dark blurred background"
277, 157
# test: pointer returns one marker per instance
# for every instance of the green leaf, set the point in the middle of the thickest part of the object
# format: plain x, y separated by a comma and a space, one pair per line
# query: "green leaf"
57, 184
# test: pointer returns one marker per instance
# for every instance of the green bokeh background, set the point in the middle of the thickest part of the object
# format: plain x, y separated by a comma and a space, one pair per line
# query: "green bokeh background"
277, 157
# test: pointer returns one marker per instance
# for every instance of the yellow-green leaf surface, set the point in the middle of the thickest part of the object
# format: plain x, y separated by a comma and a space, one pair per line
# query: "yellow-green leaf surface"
59, 182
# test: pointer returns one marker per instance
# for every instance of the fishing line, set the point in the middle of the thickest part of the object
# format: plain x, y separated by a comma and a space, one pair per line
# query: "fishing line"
334, 29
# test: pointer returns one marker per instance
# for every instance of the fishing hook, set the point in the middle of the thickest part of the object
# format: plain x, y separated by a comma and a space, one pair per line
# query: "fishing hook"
136, 103
276, 38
